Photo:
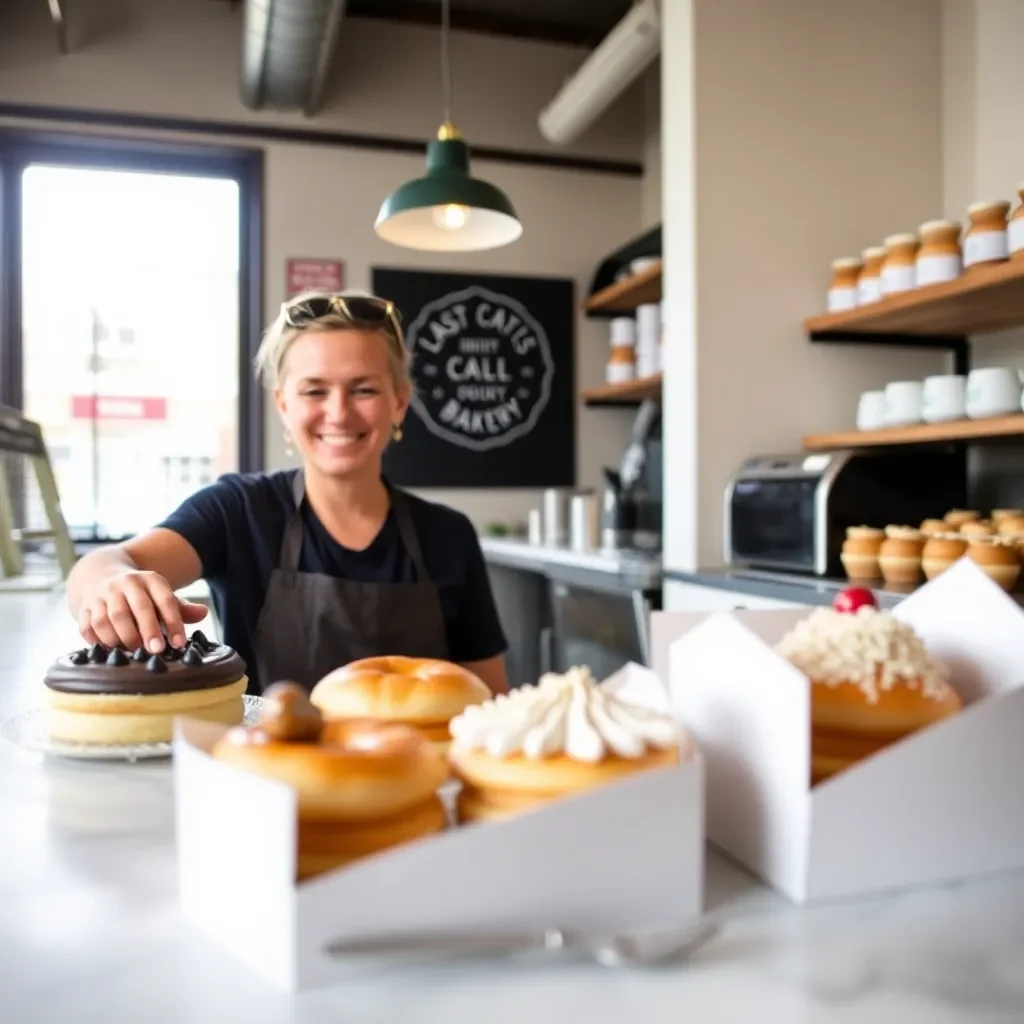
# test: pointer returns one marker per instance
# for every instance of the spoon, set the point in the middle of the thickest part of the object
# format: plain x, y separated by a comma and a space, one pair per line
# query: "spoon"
629, 949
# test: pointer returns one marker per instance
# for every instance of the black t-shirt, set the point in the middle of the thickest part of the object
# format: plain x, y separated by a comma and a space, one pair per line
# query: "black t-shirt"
236, 526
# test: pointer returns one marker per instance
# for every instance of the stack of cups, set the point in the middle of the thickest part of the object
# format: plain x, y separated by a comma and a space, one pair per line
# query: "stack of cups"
621, 365
648, 339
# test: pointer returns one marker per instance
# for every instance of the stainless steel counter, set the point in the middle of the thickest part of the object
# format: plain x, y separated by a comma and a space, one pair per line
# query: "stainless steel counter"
782, 586
631, 570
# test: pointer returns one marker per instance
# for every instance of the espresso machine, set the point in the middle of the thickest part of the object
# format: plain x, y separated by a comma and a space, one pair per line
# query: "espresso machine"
631, 503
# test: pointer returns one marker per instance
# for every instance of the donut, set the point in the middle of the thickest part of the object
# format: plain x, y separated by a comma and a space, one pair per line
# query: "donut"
873, 683
107, 696
361, 786
424, 693
561, 736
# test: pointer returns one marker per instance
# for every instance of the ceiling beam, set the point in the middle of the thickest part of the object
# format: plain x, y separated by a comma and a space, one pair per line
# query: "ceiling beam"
59, 22
490, 22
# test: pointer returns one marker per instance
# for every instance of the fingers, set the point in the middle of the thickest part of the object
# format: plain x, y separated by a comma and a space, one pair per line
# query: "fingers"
89, 635
99, 623
168, 608
142, 598
128, 612
192, 612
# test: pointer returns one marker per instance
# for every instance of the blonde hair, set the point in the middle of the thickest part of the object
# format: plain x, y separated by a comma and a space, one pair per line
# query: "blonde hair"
278, 337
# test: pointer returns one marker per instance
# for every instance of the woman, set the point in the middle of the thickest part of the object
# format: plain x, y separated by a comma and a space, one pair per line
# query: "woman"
313, 568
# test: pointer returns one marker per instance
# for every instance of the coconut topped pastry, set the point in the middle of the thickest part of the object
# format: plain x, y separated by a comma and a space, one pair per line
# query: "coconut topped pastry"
857, 642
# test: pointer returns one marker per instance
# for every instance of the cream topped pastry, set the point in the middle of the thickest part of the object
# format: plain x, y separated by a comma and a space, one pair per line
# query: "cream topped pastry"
563, 735
563, 714
873, 680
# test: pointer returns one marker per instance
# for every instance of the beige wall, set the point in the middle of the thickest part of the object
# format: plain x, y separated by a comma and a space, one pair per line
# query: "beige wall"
983, 125
785, 148
983, 149
175, 58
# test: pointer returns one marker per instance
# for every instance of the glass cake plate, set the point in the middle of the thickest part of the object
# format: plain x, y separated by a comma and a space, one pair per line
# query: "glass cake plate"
28, 731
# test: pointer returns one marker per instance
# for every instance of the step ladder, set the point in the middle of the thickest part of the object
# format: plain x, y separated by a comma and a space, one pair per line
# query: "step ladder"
23, 438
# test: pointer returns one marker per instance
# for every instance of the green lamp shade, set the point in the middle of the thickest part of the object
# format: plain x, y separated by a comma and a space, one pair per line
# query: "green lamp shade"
447, 210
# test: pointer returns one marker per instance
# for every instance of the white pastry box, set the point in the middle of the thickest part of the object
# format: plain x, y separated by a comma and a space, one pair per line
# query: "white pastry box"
626, 855
945, 803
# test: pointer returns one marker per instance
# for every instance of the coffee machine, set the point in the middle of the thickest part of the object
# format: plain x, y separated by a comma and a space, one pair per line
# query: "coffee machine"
631, 503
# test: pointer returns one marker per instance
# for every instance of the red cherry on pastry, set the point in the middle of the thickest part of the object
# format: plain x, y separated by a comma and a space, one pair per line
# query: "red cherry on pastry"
849, 600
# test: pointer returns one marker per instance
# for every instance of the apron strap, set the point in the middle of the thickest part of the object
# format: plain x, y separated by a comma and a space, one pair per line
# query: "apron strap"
407, 531
291, 545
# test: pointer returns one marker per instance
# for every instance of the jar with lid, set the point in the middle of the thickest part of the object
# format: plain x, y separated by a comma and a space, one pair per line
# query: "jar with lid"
1015, 232
621, 365
869, 284
842, 292
986, 239
939, 258
899, 270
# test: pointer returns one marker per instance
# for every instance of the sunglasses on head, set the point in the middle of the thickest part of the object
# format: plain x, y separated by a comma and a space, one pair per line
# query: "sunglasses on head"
360, 310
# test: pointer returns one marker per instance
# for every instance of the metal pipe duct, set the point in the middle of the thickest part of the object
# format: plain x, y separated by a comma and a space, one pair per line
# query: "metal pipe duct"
287, 50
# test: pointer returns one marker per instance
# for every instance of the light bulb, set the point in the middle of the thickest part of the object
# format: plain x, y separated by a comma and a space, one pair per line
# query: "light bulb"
451, 216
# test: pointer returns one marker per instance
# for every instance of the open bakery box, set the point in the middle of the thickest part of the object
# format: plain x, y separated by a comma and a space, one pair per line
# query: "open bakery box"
943, 804
626, 855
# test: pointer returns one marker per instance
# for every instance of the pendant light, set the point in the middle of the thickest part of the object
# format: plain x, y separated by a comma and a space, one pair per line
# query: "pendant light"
447, 210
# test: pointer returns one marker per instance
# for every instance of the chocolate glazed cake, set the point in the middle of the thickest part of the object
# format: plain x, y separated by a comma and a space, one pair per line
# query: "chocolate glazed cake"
111, 696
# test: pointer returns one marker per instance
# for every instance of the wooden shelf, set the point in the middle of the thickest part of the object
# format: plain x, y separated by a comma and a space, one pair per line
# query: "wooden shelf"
631, 392
920, 433
628, 292
982, 300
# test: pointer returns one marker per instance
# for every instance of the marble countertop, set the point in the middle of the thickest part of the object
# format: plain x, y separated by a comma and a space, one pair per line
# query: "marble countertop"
90, 929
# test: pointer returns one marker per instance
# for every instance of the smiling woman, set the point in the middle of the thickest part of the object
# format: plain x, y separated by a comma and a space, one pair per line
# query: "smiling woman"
314, 568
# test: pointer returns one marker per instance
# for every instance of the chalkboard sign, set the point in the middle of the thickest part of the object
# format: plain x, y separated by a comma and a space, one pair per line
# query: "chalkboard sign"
494, 380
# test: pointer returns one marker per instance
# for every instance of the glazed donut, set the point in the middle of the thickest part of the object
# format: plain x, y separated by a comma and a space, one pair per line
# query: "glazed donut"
872, 683
561, 737
413, 690
341, 771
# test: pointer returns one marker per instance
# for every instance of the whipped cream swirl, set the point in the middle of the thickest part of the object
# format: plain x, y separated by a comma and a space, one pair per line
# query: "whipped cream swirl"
566, 714
870, 648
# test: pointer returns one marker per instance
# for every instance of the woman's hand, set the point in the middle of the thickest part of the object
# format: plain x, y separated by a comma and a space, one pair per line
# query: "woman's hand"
128, 609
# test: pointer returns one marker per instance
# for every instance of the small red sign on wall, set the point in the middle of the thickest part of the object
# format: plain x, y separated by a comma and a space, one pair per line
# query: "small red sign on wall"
314, 275
117, 407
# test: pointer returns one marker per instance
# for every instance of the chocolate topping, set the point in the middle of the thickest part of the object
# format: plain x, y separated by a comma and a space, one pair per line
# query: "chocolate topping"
192, 656
201, 665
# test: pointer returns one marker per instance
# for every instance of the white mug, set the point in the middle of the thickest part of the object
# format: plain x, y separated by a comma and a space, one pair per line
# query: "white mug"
903, 399
871, 410
943, 398
993, 391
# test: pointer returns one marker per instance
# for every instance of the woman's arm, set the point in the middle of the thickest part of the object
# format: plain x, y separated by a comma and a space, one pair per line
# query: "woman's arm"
122, 593
476, 637
492, 671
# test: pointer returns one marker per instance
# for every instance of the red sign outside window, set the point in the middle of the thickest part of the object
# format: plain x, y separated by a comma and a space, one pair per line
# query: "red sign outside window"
117, 407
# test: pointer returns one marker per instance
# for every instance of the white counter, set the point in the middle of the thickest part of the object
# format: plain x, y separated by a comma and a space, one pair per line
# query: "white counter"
90, 929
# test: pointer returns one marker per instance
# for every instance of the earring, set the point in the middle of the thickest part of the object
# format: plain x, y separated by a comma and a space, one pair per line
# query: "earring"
288, 450
396, 432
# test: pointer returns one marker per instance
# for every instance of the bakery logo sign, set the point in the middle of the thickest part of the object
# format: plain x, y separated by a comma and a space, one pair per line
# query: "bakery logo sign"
482, 366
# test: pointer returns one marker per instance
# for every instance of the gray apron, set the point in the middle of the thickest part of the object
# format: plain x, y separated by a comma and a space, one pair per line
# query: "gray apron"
311, 623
